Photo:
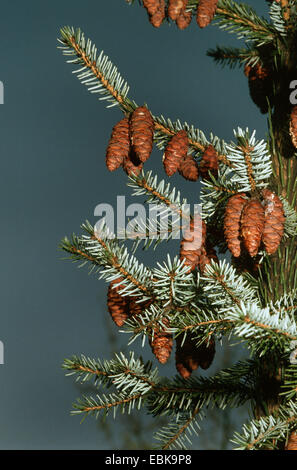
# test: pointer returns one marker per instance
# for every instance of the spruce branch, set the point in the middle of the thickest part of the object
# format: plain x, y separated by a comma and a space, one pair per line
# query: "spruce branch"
233, 56
110, 260
242, 20
267, 431
99, 74
178, 432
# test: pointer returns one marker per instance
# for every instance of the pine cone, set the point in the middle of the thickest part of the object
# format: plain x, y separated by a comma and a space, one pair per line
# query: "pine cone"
189, 357
161, 343
156, 11
131, 165
157, 18
142, 132
252, 225
208, 253
192, 243
176, 150
292, 442
259, 85
293, 126
274, 221
205, 12
136, 308
209, 162
185, 17
119, 145
151, 6
232, 219
118, 306
189, 168
175, 8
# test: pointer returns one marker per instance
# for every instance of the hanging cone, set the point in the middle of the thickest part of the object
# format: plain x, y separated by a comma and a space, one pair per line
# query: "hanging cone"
175, 8
136, 308
209, 162
142, 133
161, 343
118, 306
259, 85
232, 219
175, 151
293, 126
208, 253
193, 242
205, 12
157, 18
151, 6
118, 146
189, 357
131, 165
189, 168
292, 442
156, 11
185, 17
274, 221
252, 225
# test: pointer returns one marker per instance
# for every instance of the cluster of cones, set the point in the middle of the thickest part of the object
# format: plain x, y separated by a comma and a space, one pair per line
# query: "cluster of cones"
131, 142
176, 10
188, 356
253, 221
176, 158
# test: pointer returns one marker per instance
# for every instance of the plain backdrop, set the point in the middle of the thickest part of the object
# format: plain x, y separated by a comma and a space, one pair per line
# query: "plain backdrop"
53, 136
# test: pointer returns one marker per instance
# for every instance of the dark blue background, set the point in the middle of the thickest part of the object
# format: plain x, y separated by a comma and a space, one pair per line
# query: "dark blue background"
53, 136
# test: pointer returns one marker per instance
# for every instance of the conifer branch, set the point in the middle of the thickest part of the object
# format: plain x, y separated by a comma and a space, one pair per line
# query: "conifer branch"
177, 434
100, 76
267, 431
111, 260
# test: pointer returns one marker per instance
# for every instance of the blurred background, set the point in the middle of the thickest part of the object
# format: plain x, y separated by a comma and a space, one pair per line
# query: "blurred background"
53, 137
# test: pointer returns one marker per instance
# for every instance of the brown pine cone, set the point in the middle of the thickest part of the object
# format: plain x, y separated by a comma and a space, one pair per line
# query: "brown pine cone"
156, 11
185, 17
293, 126
252, 225
292, 442
175, 151
274, 221
119, 145
175, 8
131, 165
118, 306
192, 243
208, 253
209, 162
189, 357
189, 168
142, 132
205, 12
161, 343
151, 6
232, 219
136, 308
259, 85
157, 18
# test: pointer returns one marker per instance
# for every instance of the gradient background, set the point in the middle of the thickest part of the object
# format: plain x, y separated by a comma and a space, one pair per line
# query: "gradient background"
53, 140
